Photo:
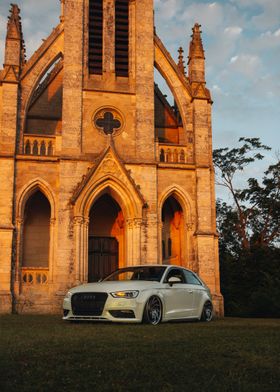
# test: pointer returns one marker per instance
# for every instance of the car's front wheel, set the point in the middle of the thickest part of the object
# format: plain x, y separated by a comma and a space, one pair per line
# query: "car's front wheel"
153, 311
207, 312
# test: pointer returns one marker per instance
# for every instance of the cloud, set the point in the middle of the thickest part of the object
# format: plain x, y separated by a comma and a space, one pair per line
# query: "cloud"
246, 64
167, 9
267, 12
209, 15
233, 30
268, 39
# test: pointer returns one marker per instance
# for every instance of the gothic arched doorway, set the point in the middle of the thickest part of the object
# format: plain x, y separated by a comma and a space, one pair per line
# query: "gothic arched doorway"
106, 237
172, 231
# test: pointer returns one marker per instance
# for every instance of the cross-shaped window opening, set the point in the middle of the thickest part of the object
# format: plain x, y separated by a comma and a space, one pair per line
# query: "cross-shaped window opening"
108, 123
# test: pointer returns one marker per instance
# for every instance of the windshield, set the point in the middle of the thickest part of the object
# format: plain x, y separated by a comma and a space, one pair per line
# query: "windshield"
137, 273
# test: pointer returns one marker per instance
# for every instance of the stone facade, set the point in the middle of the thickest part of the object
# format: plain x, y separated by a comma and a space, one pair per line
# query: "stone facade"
85, 134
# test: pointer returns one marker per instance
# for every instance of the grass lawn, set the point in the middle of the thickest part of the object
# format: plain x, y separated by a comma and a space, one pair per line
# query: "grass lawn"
43, 353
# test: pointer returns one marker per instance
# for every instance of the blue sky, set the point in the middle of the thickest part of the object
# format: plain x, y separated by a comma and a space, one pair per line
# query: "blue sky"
242, 47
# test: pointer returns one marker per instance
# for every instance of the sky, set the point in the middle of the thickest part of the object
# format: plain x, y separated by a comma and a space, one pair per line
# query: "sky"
242, 47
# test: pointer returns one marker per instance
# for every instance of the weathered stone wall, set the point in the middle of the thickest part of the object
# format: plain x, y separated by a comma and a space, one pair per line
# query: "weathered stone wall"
94, 140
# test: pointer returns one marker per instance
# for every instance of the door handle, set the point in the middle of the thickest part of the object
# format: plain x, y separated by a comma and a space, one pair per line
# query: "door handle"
190, 291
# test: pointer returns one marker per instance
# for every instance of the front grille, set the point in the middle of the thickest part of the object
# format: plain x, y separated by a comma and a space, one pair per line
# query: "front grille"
88, 304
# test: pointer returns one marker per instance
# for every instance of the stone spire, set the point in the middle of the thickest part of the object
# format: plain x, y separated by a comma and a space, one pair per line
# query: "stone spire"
181, 62
15, 48
196, 60
196, 46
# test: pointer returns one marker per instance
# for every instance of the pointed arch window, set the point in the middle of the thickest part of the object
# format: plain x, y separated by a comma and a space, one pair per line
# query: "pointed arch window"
173, 229
95, 47
36, 231
121, 37
44, 113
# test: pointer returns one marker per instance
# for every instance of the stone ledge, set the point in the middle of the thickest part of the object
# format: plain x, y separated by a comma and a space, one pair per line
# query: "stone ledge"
6, 228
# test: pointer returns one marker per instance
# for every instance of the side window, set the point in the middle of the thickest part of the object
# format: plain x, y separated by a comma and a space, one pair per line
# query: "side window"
191, 278
177, 273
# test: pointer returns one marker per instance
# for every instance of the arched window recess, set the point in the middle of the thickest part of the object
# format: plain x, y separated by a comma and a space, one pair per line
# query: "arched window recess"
44, 114
167, 116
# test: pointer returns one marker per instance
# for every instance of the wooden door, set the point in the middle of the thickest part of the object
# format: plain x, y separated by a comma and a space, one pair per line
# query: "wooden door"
103, 257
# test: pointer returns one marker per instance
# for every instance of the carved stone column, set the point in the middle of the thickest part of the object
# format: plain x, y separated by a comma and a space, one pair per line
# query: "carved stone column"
160, 227
133, 241
85, 250
52, 248
129, 242
137, 223
79, 247
19, 237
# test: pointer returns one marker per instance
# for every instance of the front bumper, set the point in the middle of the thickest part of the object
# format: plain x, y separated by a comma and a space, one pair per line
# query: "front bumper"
115, 310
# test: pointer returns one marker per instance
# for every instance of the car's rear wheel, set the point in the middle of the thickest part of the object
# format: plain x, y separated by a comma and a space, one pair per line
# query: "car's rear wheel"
207, 312
153, 311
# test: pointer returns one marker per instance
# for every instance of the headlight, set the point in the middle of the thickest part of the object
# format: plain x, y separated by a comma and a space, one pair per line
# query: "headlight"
68, 295
125, 294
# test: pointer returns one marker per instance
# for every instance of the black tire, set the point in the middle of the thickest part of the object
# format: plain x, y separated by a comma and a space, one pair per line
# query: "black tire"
153, 311
207, 312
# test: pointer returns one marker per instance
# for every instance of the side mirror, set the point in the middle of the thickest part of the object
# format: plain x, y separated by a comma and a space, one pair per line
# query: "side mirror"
173, 280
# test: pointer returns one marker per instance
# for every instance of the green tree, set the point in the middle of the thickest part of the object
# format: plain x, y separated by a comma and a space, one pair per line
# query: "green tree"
254, 217
249, 229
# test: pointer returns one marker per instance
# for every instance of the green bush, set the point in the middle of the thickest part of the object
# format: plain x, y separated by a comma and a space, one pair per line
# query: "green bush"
250, 283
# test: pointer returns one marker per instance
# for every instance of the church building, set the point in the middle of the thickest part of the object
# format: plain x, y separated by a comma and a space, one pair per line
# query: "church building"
97, 170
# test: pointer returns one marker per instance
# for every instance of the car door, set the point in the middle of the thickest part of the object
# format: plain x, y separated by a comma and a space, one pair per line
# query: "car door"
178, 296
194, 285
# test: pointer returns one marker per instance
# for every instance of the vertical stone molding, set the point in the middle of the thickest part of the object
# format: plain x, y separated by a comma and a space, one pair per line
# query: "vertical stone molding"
6, 241
73, 78
132, 39
145, 80
136, 227
80, 246
52, 248
160, 226
85, 249
109, 36
19, 236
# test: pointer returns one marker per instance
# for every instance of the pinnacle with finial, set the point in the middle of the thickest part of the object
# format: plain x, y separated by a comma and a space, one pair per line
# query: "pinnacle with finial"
14, 28
14, 23
196, 46
181, 61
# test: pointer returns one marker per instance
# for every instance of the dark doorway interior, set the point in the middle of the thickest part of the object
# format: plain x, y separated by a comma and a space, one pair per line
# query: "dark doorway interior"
103, 257
105, 241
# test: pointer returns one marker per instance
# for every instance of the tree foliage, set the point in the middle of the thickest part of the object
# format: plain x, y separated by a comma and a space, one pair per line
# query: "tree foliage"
249, 231
255, 213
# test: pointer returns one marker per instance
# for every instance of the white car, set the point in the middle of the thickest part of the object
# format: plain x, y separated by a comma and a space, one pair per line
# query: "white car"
148, 293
